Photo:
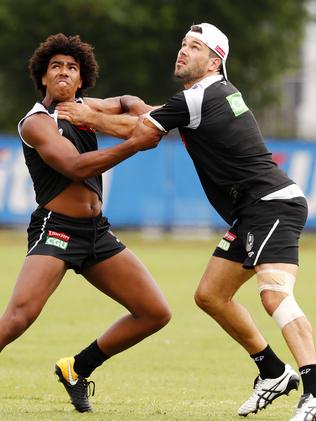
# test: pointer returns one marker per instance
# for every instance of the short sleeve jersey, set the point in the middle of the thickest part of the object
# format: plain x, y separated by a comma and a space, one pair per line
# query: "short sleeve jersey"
224, 141
47, 182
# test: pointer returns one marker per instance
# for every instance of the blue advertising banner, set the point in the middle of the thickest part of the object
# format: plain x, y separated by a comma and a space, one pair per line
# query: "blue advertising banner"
158, 187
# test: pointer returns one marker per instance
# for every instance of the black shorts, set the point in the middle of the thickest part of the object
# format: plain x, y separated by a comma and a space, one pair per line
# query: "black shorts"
265, 232
80, 242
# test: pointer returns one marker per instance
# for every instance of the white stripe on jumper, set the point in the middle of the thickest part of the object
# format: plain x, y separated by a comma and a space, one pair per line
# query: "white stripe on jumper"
42, 231
265, 241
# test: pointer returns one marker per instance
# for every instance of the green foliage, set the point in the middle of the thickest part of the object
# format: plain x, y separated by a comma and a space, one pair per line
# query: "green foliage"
136, 43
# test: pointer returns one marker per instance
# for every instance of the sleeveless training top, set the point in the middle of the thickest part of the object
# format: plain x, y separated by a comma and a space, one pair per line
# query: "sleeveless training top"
47, 182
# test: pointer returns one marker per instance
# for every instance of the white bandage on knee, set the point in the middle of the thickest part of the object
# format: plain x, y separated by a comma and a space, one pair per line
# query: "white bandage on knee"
275, 280
287, 311
280, 281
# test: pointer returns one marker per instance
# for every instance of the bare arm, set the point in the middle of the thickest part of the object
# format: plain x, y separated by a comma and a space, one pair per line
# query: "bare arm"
113, 116
41, 132
117, 105
134, 105
145, 133
117, 125
107, 105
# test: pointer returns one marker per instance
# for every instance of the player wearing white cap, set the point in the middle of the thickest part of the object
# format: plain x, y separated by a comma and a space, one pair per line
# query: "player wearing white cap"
266, 211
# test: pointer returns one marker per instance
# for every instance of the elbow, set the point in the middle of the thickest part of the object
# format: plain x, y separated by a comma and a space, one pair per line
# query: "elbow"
127, 102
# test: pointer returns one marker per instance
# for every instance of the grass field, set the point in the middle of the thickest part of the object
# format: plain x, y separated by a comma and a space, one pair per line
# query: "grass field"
191, 370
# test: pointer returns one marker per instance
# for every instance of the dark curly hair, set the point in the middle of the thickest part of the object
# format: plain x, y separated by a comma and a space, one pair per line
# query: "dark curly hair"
70, 46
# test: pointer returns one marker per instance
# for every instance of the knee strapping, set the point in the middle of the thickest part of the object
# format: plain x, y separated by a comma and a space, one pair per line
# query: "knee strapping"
275, 280
280, 281
287, 311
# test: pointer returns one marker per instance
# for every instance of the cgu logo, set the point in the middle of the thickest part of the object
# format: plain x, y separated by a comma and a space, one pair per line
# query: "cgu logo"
56, 242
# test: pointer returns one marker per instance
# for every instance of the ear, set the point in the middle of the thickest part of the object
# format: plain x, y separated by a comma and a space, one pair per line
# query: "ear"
80, 84
214, 63
44, 80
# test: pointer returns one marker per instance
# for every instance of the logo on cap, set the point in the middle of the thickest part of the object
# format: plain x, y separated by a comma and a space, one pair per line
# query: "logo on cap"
220, 51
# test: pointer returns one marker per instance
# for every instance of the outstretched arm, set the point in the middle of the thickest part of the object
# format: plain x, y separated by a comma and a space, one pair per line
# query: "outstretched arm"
134, 105
41, 132
117, 125
130, 104
113, 116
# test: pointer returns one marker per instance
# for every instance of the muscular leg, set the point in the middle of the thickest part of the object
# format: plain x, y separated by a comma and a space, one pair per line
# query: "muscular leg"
298, 333
38, 279
125, 279
221, 280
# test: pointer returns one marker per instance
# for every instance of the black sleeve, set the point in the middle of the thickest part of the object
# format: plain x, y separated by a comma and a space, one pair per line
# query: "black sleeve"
173, 114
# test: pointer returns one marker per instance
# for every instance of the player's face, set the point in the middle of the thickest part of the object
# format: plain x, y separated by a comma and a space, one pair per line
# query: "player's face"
62, 78
193, 60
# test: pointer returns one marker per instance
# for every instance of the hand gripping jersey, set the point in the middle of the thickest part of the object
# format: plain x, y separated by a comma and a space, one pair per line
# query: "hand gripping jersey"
47, 182
224, 141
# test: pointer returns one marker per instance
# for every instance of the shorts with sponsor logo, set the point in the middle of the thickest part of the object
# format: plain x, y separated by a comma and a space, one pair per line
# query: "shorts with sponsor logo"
265, 232
80, 242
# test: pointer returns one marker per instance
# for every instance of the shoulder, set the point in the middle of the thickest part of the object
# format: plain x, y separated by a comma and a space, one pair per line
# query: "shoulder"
37, 121
36, 128
176, 102
38, 109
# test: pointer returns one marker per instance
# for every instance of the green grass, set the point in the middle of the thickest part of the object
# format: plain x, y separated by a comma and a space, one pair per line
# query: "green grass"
189, 371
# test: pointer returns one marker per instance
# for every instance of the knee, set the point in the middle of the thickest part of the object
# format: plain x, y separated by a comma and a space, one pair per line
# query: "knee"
159, 317
162, 316
16, 322
282, 307
271, 300
209, 303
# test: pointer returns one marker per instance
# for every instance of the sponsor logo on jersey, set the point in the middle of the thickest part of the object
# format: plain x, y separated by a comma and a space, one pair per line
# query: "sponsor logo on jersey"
57, 239
237, 104
250, 241
230, 236
224, 245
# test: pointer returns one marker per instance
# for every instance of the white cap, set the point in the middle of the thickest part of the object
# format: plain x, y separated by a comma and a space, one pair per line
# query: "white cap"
214, 39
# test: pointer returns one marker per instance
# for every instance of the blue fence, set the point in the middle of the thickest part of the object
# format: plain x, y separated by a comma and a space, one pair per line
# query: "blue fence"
154, 188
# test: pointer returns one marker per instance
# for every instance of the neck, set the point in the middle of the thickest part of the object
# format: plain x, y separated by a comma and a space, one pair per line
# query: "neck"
190, 83
49, 100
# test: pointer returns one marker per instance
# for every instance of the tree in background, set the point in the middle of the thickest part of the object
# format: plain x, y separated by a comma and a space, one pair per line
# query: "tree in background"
136, 43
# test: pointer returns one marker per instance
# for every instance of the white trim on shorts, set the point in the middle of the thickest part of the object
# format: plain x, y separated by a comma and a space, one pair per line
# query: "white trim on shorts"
265, 240
42, 231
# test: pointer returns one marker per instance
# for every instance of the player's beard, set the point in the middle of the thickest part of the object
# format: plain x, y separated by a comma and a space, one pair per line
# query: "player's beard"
188, 74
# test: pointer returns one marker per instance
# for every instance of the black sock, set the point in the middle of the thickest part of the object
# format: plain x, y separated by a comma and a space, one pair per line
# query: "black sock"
89, 359
308, 374
269, 365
